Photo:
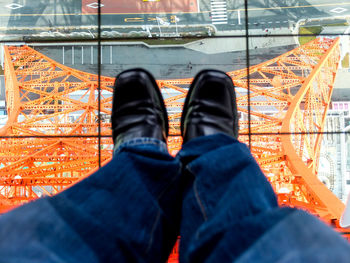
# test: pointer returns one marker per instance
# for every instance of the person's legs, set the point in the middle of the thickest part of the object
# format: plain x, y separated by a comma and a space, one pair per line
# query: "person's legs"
125, 212
128, 211
227, 189
230, 212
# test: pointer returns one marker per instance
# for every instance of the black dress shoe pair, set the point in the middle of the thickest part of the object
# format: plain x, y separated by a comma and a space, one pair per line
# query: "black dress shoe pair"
139, 111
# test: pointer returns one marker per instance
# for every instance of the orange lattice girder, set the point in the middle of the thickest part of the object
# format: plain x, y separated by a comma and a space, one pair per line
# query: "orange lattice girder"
288, 94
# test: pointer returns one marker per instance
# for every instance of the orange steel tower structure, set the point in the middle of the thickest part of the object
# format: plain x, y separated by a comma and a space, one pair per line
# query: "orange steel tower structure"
55, 136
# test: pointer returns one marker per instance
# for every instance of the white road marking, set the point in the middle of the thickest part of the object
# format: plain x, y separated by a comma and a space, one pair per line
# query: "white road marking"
239, 17
219, 18
13, 6
218, 12
94, 5
338, 10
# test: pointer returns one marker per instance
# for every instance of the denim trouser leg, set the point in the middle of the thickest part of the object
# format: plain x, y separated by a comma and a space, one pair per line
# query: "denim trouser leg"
128, 211
230, 212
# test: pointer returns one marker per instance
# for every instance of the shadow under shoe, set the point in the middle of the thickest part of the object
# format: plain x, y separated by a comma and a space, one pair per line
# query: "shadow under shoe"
138, 108
210, 106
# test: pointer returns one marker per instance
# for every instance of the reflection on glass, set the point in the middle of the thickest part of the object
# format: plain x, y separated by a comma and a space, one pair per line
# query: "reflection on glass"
164, 18
294, 91
50, 136
56, 19
296, 17
44, 20
334, 164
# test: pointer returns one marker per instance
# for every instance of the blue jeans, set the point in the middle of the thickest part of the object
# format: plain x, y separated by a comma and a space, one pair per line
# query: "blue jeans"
213, 194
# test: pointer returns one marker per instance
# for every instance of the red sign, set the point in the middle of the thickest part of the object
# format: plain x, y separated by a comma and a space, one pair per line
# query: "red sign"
139, 6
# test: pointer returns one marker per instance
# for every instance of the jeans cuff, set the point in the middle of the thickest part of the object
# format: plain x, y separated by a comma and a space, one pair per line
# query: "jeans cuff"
142, 141
204, 144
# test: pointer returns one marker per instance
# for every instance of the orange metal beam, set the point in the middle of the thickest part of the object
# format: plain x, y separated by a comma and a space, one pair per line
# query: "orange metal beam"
321, 195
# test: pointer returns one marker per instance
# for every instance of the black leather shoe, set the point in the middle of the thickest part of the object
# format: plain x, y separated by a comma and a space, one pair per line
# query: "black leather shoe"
138, 108
210, 106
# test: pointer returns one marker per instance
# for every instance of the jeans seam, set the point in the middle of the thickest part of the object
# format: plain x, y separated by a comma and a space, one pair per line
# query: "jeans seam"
158, 214
138, 142
167, 187
198, 199
150, 242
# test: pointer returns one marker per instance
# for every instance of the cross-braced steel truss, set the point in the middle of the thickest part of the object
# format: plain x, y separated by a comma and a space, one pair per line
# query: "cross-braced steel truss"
55, 134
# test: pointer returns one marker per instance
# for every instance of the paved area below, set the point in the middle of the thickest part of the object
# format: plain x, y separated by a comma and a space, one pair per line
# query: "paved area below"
341, 90
127, 6
165, 62
238, 43
262, 14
